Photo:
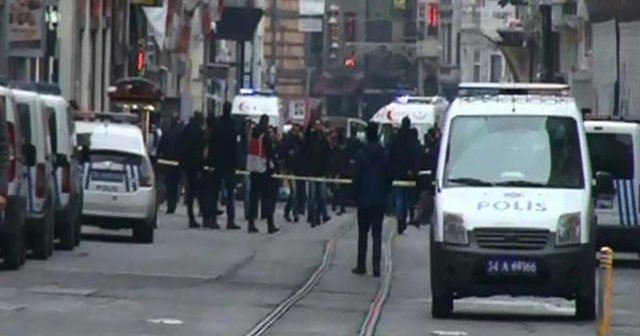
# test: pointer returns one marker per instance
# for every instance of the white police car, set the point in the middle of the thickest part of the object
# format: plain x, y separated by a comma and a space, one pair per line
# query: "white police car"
514, 198
118, 180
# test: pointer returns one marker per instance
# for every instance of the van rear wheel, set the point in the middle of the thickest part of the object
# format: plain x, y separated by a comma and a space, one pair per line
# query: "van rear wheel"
68, 236
13, 249
144, 231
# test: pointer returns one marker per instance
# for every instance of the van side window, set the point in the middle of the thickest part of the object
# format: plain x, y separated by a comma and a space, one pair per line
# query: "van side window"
612, 153
53, 129
25, 122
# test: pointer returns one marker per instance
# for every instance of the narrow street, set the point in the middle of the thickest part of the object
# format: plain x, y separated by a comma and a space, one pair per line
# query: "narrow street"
197, 282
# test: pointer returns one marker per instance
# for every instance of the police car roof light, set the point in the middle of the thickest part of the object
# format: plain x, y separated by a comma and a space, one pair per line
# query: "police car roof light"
521, 89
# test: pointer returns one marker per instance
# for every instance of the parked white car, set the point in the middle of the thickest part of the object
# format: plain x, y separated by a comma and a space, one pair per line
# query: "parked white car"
118, 180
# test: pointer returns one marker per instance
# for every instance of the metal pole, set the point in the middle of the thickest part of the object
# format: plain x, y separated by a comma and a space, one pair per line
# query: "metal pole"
203, 75
547, 48
274, 36
4, 37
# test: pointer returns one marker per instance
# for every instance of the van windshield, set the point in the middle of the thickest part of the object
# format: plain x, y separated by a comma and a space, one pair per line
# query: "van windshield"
520, 151
612, 153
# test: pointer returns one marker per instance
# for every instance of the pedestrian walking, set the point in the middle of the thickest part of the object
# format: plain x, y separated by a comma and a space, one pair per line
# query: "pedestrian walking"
292, 146
210, 190
170, 149
225, 161
372, 183
404, 157
316, 154
341, 169
193, 140
261, 166
428, 167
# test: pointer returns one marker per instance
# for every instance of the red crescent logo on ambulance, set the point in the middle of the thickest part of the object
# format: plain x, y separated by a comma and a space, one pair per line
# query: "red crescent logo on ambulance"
389, 115
243, 107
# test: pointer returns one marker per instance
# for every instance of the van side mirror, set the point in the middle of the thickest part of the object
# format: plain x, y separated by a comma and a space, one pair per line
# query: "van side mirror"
604, 184
29, 152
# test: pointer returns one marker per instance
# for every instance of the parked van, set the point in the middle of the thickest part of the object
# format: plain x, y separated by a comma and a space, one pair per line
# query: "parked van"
614, 147
514, 198
67, 190
40, 205
13, 242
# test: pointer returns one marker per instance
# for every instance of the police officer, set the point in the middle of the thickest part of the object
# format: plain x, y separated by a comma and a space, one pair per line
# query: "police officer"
261, 165
372, 183
169, 149
193, 140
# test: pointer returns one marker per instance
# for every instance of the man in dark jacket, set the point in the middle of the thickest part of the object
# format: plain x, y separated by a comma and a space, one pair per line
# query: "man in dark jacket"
261, 163
193, 142
292, 146
170, 149
225, 161
372, 183
404, 158
316, 151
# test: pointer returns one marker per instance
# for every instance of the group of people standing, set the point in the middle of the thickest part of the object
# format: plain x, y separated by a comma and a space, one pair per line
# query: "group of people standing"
210, 151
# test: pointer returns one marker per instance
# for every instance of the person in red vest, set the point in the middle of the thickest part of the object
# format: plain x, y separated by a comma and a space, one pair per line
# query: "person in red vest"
261, 164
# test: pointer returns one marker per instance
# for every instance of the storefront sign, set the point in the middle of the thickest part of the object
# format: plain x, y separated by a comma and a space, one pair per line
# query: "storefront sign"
26, 28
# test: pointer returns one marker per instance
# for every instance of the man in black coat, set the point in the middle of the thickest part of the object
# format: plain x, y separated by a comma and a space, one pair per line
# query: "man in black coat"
372, 181
292, 148
192, 161
403, 154
170, 149
225, 161
317, 151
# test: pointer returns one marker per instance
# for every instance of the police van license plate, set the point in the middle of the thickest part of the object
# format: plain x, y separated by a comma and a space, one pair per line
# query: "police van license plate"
604, 202
511, 266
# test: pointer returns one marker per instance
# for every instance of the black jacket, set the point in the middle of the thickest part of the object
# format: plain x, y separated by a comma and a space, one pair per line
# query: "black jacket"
372, 180
316, 151
225, 145
170, 143
193, 141
404, 154
292, 150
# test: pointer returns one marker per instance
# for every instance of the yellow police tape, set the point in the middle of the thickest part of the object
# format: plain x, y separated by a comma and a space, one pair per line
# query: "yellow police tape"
294, 177
606, 264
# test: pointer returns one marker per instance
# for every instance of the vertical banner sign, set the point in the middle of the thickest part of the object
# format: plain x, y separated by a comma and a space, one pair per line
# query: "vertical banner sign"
26, 28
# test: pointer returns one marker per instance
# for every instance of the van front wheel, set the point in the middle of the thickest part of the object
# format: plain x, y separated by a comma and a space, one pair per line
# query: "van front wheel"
586, 300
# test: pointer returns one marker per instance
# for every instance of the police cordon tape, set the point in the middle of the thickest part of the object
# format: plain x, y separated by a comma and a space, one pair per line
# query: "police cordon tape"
407, 184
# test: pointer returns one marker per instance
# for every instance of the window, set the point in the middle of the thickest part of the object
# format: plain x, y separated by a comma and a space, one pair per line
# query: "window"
476, 65
25, 122
496, 68
350, 27
526, 151
612, 153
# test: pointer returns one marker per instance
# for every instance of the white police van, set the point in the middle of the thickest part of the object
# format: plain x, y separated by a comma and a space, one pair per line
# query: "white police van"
514, 198
67, 191
118, 180
614, 147
41, 208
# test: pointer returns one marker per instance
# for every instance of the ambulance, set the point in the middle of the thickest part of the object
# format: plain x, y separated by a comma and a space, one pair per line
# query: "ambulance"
252, 104
515, 198
424, 113
614, 147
